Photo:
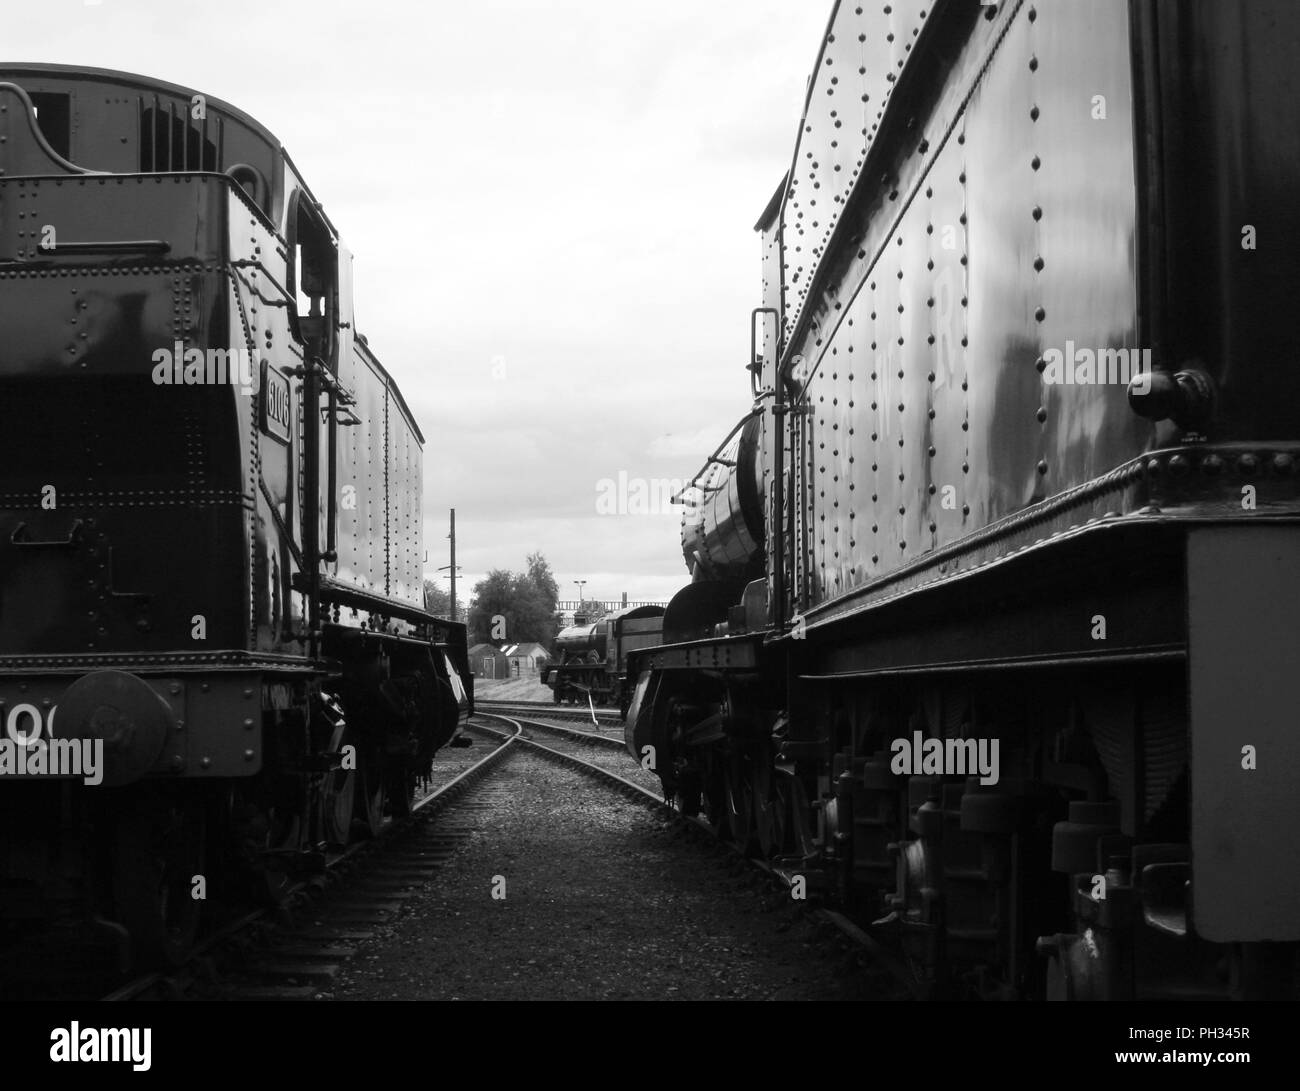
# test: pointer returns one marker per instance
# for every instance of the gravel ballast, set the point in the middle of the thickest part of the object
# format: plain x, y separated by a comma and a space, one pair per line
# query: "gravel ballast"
603, 899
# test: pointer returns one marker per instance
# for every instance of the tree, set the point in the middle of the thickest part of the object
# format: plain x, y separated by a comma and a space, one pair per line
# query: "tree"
539, 571
437, 601
515, 607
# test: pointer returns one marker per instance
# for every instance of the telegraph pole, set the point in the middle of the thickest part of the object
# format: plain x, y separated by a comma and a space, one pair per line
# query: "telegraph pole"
452, 536
452, 567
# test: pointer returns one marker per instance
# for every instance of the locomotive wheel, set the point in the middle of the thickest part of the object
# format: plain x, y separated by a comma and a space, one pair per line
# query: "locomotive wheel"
802, 836
769, 807
370, 792
341, 798
157, 855
400, 788
740, 804
715, 796
266, 836
689, 794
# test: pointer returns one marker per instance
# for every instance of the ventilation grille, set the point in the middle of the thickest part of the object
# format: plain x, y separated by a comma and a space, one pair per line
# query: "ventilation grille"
172, 139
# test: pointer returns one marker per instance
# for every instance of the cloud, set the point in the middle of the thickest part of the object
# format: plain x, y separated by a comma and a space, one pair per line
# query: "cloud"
698, 444
568, 188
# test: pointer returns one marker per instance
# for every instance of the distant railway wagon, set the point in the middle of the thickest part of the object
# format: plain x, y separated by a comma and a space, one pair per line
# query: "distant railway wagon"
994, 619
211, 534
591, 659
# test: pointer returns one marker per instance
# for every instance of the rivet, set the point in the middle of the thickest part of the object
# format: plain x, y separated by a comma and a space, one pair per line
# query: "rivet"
248, 755
1042, 466
1247, 465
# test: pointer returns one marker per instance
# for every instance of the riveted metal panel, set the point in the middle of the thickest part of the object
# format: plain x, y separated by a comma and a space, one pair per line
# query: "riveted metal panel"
362, 502
120, 539
380, 534
1084, 240
1002, 189
405, 492
125, 123
862, 55
258, 327
1051, 205
772, 431
1003, 227
953, 506
216, 723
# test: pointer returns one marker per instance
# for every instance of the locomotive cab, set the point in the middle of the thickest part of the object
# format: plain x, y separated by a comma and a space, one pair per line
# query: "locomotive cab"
211, 541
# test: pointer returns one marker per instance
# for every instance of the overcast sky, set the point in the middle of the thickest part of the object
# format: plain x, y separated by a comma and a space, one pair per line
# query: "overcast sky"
551, 207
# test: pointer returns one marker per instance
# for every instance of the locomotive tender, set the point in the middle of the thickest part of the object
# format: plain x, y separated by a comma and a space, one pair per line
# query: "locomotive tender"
210, 519
958, 523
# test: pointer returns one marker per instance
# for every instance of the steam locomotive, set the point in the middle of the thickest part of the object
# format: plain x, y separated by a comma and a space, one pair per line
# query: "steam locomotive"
995, 602
593, 658
210, 523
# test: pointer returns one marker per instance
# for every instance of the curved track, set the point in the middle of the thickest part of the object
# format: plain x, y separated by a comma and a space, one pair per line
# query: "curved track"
606, 717
886, 960
256, 948
168, 984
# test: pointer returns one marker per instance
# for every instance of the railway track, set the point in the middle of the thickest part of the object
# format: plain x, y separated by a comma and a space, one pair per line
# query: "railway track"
605, 717
644, 786
257, 957
295, 953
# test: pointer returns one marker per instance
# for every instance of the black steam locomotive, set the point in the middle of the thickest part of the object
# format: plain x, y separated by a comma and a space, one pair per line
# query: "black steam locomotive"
592, 658
995, 608
214, 657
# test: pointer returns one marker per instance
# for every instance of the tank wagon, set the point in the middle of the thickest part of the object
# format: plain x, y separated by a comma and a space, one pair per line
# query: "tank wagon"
993, 622
211, 533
